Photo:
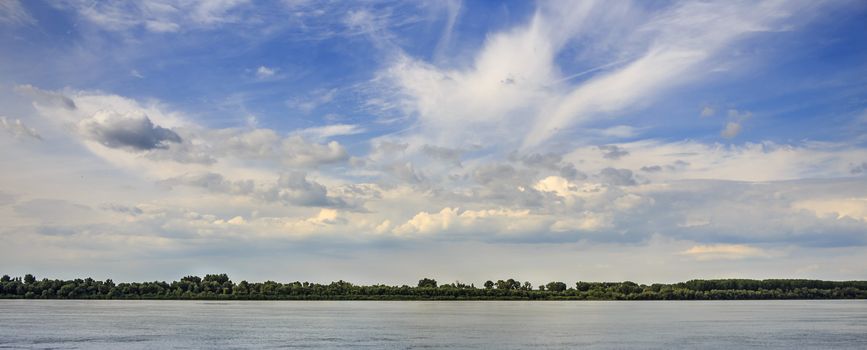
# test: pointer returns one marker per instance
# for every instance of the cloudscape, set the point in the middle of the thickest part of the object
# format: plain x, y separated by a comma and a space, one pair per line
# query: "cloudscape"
382, 142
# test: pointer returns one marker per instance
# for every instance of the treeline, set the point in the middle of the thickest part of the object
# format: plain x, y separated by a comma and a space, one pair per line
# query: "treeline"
219, 286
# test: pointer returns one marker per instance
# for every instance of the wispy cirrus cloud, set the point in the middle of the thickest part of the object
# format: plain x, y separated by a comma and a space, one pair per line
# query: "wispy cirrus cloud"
13, 13
500, 93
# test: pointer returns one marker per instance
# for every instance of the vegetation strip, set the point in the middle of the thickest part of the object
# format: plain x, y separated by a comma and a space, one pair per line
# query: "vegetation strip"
220, 287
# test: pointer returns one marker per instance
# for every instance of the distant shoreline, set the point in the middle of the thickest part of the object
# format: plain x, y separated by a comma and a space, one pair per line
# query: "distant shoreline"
219, 287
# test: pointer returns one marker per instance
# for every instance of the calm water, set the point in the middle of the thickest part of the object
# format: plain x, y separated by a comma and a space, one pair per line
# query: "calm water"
438, 325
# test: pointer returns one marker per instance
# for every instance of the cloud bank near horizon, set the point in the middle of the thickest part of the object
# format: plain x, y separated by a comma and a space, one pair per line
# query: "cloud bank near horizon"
567, 140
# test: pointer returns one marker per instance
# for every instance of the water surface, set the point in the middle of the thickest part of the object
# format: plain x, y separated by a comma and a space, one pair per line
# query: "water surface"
74, 324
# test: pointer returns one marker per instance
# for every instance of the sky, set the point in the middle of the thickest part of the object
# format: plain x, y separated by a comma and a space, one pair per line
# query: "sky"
384, 142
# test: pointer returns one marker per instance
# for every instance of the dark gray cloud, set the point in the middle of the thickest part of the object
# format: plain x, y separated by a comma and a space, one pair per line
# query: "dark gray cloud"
291, 188
674, 166
613, 152
123, 209
617, 177
537, 160
548, 161
494, 172
132, 133
569, 172
677, 165
56, 231
294, 188
858, 169
212, 182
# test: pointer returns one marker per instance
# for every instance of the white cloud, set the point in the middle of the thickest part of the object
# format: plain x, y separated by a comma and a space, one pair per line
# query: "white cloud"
329, 131
725, 252
855, 208
707, 111
158, 16
765, 161
620, 131
264, 72
456, 221
47, 98
314, 100
161, 27
514, 83
13, 13
17, 129
731, 130
481, 163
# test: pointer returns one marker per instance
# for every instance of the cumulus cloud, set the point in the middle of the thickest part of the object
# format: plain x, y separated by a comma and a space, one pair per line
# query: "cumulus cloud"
457, 221
617, 177
207, 146
132, 132
297, 151
547, 160
294, 188
264, 72
707, 111
613, 152
290, 188
731, 130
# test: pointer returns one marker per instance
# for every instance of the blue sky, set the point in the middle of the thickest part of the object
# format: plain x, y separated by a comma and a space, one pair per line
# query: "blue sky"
385, 141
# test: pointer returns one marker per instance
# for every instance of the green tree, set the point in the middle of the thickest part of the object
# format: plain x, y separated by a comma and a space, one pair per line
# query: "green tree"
427, 283
556, 286
192, 279
219, 279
